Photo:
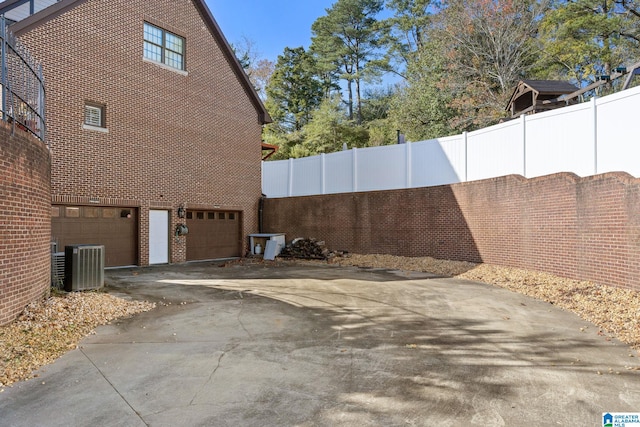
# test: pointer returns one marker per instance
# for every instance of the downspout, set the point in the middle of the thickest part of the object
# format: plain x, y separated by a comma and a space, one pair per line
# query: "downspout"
261, 214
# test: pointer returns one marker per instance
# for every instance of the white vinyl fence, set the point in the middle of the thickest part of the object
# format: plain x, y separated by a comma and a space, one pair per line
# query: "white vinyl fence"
587, 139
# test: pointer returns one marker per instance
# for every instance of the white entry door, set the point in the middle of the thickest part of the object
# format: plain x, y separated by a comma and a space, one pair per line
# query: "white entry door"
158, 237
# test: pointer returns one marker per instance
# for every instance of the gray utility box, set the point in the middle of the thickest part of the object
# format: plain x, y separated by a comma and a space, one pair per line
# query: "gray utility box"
83, 267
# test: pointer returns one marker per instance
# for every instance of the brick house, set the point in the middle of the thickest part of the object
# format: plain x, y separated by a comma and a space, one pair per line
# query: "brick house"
152, 124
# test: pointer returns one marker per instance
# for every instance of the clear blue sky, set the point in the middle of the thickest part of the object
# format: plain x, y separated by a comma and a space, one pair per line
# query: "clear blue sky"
271, 24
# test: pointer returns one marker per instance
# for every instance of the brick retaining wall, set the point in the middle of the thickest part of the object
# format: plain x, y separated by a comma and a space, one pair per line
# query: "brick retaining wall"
581, 228
25, 221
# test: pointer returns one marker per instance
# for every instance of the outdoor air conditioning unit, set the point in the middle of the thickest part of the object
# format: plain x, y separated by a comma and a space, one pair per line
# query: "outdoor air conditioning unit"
84, 267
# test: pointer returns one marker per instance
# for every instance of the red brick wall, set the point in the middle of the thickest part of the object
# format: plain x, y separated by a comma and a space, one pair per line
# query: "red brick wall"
581, 228
173, 138
25, 221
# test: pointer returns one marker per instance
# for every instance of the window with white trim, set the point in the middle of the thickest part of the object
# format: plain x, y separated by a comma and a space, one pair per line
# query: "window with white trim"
163, 47
94, 115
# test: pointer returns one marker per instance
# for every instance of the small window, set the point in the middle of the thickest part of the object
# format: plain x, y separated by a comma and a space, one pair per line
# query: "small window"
55, 211
94, 115
200, 215
108, 213
221, 215
211, 215
232, 216
163, 47
189, 215
91, 212
72, 212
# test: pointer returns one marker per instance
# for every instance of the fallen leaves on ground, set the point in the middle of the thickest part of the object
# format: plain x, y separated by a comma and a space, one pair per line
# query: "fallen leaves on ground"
49, 328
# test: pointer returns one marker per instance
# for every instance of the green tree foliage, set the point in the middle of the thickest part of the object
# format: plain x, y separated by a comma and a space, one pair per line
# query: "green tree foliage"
327, 131
419, 107
346, 39
331, 128
459, 61
632, 9
407, 32
286, 142
422, 108
294, 91
582, 39
376, 104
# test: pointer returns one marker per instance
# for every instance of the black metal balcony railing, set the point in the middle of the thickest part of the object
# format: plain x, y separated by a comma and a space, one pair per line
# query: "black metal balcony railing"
22, 84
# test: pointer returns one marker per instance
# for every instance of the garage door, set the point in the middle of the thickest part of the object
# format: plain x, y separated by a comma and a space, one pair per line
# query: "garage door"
115, 228
213, 234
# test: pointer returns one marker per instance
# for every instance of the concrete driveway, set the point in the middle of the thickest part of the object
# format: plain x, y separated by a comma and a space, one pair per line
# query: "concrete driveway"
315, 345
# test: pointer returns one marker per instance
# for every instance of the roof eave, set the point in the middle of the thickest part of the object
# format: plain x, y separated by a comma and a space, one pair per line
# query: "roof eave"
43, 16
263, 114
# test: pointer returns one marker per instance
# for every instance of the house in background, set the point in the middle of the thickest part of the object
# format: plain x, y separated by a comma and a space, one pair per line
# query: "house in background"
152, 124
536, 96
